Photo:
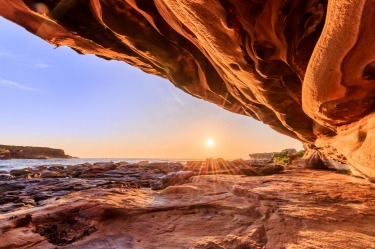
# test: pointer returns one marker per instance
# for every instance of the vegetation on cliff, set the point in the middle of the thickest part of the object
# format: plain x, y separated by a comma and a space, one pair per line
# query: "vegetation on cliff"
286, 156
28, 152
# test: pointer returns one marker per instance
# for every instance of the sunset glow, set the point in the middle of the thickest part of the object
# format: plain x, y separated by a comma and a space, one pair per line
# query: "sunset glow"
210, 142
91, 107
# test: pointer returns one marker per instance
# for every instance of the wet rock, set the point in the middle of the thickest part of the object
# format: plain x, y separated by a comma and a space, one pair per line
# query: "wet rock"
56, 168
53, 174
163, 167
105, 166
4, 177
21, 172
41, 168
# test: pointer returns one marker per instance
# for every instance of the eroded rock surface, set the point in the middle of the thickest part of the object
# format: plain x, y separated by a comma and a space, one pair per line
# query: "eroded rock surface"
296, 209
32, 187
305, 68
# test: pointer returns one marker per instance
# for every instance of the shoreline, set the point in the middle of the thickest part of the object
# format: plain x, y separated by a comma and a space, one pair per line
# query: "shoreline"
297, 207
40, 183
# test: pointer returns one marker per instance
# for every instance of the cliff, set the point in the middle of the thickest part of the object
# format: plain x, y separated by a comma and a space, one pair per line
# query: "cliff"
305, 68
262, 157
27, 152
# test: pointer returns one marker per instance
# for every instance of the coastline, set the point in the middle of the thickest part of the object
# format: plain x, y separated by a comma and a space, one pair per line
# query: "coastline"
207, 209
9, 164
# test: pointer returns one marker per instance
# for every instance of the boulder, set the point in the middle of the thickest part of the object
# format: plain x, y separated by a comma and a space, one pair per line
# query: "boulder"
105, 166
172, 178
56, 168
53, 174
314, 159
20, 172
261, 157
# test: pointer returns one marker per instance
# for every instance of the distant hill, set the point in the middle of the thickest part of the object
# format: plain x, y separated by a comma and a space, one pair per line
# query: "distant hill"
28, 152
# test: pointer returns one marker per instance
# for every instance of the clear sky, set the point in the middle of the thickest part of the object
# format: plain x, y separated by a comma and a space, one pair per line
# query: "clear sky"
91, 107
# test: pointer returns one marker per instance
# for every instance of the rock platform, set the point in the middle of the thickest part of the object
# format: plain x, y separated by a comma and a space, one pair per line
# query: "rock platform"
298, 208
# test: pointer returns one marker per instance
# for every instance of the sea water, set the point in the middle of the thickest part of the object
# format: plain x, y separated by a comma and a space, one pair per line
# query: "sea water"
10, 164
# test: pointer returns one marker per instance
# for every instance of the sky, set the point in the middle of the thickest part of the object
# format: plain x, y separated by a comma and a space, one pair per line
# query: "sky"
93, 108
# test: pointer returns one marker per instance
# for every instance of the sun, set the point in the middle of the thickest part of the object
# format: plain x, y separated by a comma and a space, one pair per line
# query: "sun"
210, 142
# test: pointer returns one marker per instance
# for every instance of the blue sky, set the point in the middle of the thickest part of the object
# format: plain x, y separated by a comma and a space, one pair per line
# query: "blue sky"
91, 107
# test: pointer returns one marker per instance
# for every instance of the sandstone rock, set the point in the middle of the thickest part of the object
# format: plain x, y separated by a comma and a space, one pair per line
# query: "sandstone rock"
41, 167
245, 168
299, 163
333, 164
305, 68
261, 157
163, 167
131, 166
122, 164
40, 185
143, 162
79, 167
20, 172
300, 208
313, 158
53, 174
172, 178
221, 166
268, 169
56, 168
105, 166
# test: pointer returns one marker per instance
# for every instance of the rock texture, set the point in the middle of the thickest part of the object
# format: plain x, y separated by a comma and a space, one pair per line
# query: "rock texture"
31, 187
28, 152
297, 209
266, 157
305, 68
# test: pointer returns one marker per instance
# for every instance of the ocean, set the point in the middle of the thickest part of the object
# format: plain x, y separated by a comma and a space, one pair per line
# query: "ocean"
10, 164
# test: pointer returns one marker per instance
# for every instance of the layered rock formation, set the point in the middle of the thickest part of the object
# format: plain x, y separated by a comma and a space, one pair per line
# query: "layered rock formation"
28, 152
30, 187
290, 210
262, 157
305, 68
